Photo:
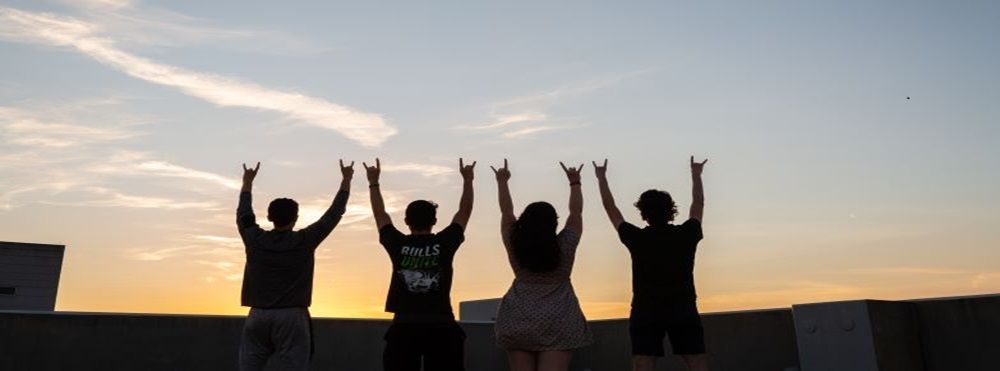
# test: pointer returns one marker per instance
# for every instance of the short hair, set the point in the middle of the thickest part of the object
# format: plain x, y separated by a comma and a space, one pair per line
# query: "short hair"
656, 206
282, 211
421, 214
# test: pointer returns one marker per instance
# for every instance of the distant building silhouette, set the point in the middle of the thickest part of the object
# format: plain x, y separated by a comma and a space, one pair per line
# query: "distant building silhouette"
29, 275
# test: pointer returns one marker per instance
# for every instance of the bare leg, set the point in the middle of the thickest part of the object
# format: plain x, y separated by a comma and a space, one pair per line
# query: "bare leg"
643, 363
696, 362
554, 360
520, 360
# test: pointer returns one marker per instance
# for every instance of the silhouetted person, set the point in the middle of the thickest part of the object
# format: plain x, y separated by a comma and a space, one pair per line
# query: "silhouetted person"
278, 277
539, 321
423, 326
663, 294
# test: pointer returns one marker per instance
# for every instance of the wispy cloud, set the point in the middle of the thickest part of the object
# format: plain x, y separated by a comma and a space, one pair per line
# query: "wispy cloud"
426, 170
568, 91
100, 4
114, 198
135, 163
530, 130
368, 129
20, 128
526, 115
69, 164
500, 121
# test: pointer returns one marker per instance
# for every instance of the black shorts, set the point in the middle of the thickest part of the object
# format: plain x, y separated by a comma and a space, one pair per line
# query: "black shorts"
438, 346
648, 323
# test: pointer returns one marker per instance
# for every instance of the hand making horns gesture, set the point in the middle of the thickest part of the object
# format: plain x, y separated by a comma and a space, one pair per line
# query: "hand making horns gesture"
250, 173
502, 174
572, 173
697, 167
466, 171
347, 171
373, 172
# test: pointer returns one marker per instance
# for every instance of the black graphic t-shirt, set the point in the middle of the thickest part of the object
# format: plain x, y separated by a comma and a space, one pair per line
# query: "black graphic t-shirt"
662, 261
421, 270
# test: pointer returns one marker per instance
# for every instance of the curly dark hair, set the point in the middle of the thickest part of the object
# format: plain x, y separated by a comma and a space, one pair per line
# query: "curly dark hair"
656, 206
533, 237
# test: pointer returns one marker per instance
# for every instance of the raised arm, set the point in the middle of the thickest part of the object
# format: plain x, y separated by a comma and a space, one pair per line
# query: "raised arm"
697, 193
503, 193
322, 227
382, 218
575, 219
608, 199
465, 204
245, 218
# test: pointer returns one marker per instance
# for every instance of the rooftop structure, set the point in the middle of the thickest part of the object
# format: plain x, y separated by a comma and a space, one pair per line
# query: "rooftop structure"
29, 275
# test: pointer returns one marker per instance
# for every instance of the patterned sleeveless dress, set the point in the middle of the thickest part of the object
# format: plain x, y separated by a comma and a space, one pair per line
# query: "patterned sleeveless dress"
540, 311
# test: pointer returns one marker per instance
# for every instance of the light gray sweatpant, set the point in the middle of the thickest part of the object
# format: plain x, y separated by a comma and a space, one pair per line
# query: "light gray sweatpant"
281, 337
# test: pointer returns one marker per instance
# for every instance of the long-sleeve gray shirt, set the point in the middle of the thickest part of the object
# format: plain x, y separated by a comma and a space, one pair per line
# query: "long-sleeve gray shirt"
279, 267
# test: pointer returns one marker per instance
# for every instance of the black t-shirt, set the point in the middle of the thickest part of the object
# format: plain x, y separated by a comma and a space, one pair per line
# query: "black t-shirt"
421, 270
662, 260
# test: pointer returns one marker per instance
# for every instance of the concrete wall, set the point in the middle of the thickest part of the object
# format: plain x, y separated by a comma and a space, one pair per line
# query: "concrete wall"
942, 334
960, 333
736, 341
29, 275
758, 340
953, 334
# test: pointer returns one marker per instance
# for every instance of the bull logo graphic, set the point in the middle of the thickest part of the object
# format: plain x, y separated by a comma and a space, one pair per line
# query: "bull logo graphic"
420, 282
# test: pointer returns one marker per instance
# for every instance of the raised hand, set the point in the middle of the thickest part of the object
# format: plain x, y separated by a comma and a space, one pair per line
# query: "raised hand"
250, 173
347, 171
572, 173
502, 174
697, 167
601, 171
373, 172
466, 171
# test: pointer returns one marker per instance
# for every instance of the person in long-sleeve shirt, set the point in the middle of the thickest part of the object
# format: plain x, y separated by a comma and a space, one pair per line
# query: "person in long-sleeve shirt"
278, 276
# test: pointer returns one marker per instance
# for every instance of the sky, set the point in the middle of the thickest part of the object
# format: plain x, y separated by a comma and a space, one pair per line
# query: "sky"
852, 144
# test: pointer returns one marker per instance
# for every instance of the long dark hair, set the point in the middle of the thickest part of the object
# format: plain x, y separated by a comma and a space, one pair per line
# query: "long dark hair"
533, 237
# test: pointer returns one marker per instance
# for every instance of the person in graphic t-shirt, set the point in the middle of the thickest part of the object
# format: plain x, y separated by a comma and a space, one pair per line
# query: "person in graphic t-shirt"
663, 295
423, 329
278, 277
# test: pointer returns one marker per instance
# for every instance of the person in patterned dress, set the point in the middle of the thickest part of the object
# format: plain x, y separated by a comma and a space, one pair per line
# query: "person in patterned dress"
539, 321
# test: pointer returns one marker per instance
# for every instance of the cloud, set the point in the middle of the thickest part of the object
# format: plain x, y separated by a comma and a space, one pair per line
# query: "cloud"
568, 91
525, 115
425, 170
529, 131
157, 254
113, 198
368, 129
99, 4
20, 128
133, 163
500, 121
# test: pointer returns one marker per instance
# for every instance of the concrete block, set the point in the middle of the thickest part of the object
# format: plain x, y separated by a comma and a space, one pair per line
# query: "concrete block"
863, 335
